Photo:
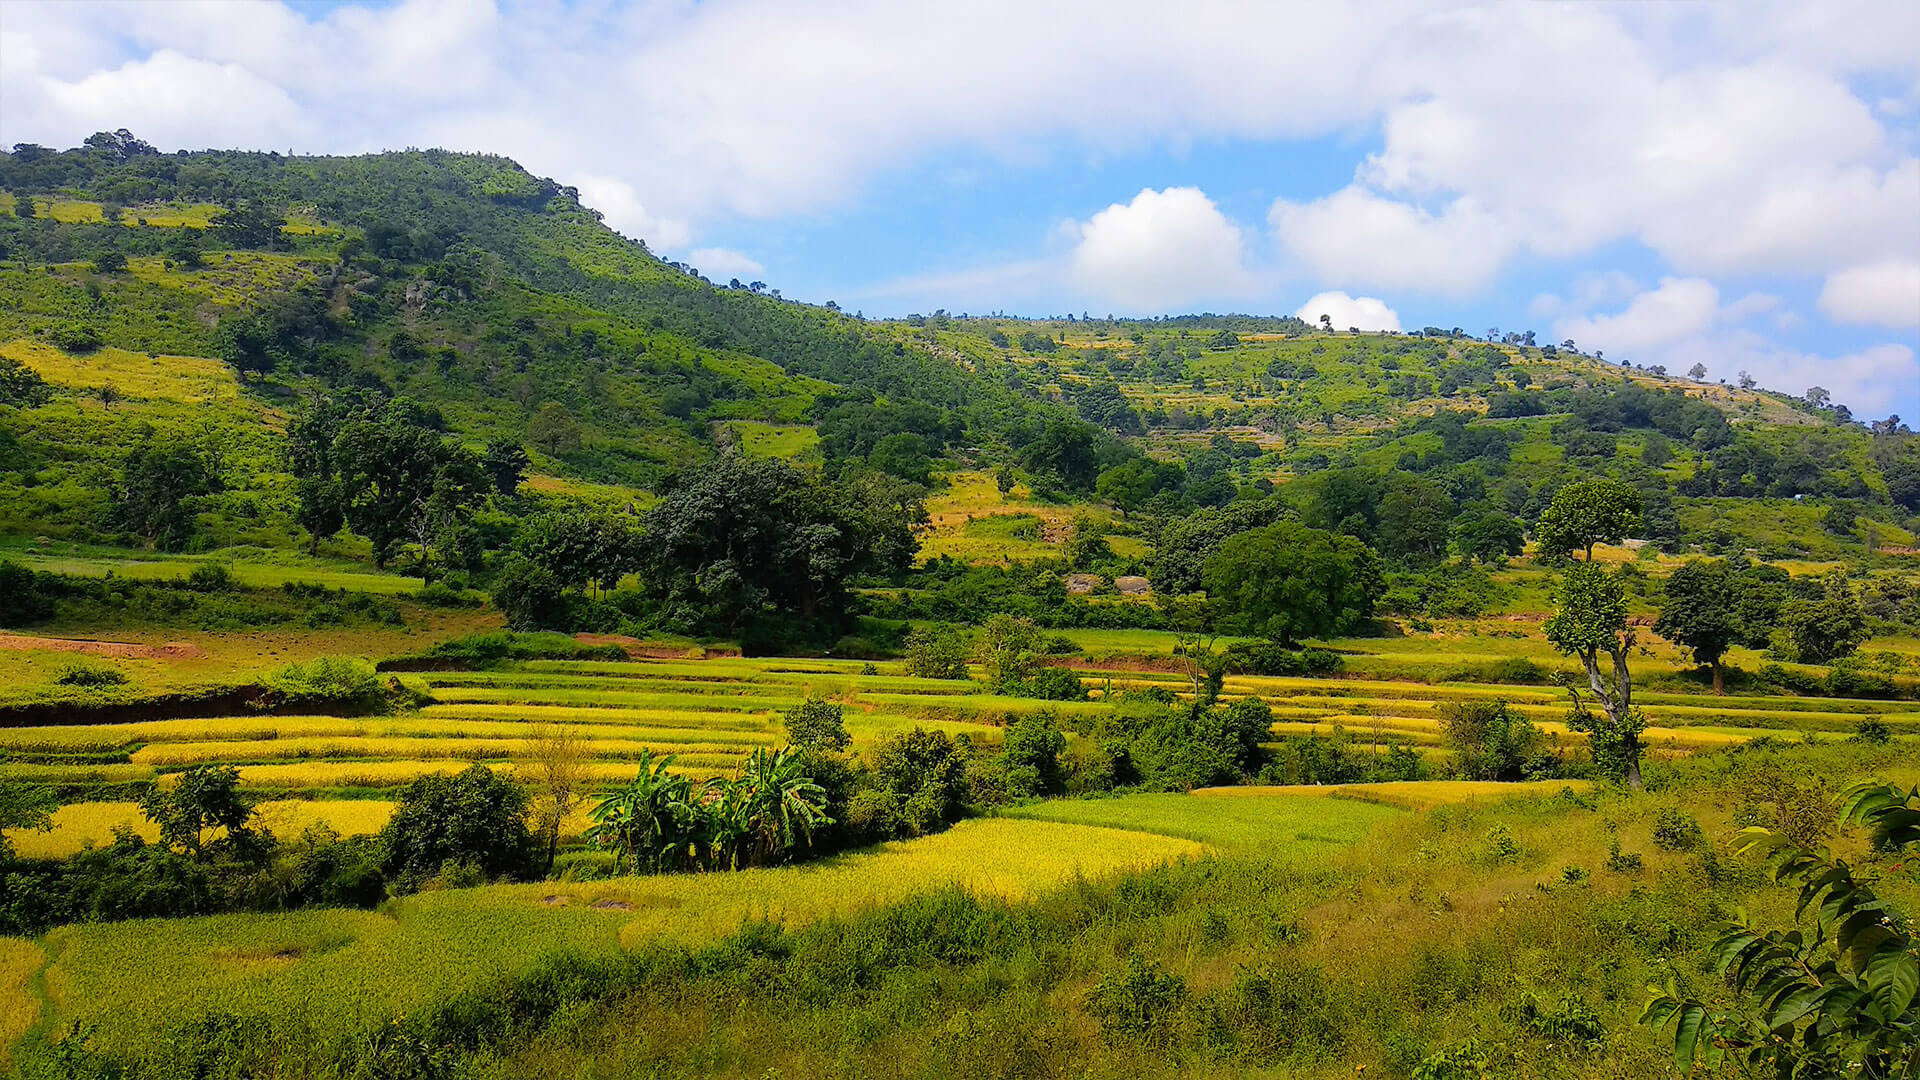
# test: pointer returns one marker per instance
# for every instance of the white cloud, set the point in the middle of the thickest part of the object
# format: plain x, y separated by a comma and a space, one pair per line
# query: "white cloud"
1365, 312
1767, 138
720, 263
1160, 251
1680, 308
1885, 293
1356, 237
1682, 322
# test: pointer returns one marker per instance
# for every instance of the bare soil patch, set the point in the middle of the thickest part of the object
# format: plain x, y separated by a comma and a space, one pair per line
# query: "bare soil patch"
119, 650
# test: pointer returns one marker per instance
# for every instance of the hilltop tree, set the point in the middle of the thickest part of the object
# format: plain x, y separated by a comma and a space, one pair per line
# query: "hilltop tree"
1590, 619
1697, 372
1287, 582
1585, 513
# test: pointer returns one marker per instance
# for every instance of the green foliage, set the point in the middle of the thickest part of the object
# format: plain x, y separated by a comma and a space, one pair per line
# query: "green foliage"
1826, 628
1031, 756
200, 809
1676, 830
1712, 606
90, 675
1491, 741
816, 725
159, 487
939, 651
1141, 1001
474, 817
1839, 1001
346, 680
917, 786
1287, 582
21, 386
1590, 618
1585, 513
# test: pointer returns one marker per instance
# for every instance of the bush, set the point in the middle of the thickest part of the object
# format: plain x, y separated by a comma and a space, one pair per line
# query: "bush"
1675, 830
332, 678
1872, 731
446, 824
213, 577
90, 675
817, 726
1051, 684
1490, 741
78, 339
1518, 669
1267, 658
25, 596
1141, 1001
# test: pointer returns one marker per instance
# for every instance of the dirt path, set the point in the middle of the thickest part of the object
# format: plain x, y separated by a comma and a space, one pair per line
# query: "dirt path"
119, 650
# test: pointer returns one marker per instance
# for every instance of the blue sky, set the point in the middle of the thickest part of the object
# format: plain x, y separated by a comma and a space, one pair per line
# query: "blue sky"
1736, 185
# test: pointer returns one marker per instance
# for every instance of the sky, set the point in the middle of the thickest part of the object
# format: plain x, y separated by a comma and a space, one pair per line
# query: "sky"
1730, 184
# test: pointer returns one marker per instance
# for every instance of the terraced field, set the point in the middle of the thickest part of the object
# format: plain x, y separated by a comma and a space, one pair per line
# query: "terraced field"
710, 713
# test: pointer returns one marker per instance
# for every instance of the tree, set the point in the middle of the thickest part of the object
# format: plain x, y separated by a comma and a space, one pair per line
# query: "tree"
21, 386
1009, 648
649, 823
817, 725
1697, 372
249, 226
1819, 397
1711, 607
1130, 485
918, 784
1839, 1001
1488, 535
401, 482
554, 766
505, 465
554, 430
201, 809
1414, 517
582, 547
475, 818
758, 547
1585, 513
1065, 451
1085, 545
938, 652
111, 261
1590, 618
154, 499
1030, 756
1287, 582
23, 806
1747, 382
1490, 741
776, 805
1829, 627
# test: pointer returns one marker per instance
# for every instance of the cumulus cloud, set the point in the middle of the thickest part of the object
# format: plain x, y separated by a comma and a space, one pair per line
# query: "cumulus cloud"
1160, 251
1356, 237
1884, 293
718, 263
1680, 308
1683, 322
1726, 139
1364, 312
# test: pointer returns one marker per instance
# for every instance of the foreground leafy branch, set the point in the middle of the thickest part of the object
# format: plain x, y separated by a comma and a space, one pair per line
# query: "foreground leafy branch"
1838, 1002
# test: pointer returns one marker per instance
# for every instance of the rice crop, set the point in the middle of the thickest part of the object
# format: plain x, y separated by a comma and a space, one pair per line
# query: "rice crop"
1405, 794
1279, 827
20, 961
338, 967
92, 824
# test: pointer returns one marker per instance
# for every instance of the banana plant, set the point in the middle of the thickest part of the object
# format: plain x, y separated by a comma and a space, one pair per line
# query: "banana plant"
645, 824
1836, 1002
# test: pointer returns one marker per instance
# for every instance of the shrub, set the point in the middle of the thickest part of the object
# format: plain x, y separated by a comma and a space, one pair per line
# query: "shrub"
333, 678
212, 577
1518, 669
476, 818
1465, 1061
1490, 741
817, 725
1675, 830
1031, 756
1267, 658
1501, 845
938, 652
78, 339
1141, 1001
90, 675
1623, 862
1051, 684
1873, 731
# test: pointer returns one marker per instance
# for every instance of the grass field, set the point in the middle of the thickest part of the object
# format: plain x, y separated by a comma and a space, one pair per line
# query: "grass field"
339, 968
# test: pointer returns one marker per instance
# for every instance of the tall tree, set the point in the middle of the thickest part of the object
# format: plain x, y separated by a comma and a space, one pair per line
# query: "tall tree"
1287, 582
1585, 513
1590, 619
1710, 607
154, 499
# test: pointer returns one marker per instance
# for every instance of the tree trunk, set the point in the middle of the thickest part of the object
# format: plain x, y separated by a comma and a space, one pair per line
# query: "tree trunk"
1633, 771
1719, 680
